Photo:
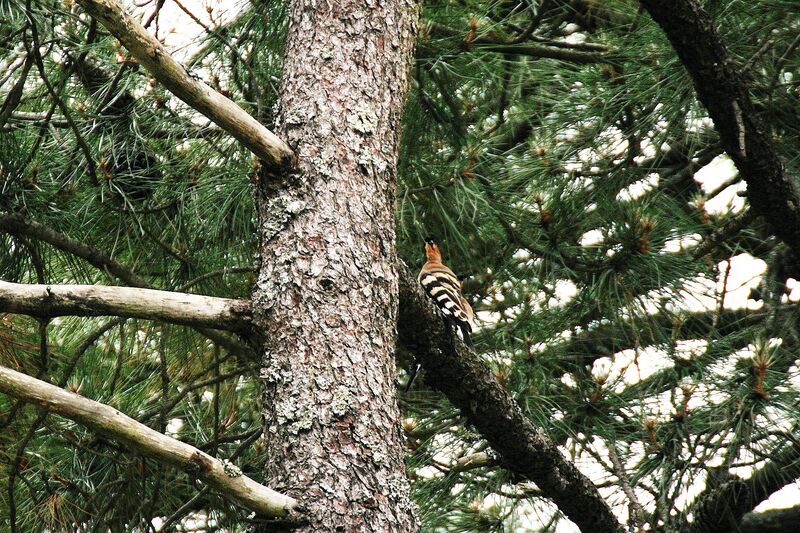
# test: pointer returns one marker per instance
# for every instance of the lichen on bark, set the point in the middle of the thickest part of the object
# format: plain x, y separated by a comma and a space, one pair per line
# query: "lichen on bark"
326, 298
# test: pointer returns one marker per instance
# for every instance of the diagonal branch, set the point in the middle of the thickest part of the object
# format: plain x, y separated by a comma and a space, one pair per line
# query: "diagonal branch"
220, 109
472, 387
46, 301
15, 224
223, 477
15, 94
723, 91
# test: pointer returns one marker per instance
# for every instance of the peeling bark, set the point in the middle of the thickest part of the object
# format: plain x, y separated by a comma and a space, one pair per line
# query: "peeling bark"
326, 295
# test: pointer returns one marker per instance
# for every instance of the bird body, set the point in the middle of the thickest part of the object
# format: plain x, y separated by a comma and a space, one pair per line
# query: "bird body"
444, 288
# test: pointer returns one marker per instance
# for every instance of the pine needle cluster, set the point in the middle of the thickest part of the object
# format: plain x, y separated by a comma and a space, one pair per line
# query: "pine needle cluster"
553, 149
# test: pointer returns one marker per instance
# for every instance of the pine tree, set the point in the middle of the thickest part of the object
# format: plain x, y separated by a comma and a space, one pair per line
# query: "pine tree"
609, 178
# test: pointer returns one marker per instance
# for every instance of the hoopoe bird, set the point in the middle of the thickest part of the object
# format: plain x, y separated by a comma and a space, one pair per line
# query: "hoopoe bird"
444, 288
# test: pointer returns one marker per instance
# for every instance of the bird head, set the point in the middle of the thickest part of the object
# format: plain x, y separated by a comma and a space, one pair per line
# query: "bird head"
432, 251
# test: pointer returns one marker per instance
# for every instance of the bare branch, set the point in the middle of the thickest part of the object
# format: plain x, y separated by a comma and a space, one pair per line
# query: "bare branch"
46, 301
723, 234
469, 462
636, 511
225, 478
16, 225
472, 387
58, 121
220, 109
581, 54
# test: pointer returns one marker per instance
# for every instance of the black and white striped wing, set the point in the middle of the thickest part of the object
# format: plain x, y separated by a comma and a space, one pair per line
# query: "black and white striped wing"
444, 289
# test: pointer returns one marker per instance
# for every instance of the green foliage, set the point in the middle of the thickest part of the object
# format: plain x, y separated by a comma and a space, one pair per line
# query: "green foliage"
513, 160
549, 146
172, 201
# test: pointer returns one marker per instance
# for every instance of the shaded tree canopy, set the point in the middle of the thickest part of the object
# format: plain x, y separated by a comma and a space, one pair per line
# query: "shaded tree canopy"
621, 207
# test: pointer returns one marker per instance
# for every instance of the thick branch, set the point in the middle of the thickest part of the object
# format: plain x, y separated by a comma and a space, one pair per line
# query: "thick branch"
220, 109
47, 301
773, 521
471, 386
722, 508
722, 89
225, 478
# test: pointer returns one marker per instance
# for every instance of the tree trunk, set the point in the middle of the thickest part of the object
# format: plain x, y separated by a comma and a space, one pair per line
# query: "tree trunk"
326, 295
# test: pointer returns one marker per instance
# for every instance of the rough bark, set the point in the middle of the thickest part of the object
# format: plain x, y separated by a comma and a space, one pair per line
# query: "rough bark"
47, 301
472, 387
223, 477
154, 57
326, 295
723, 91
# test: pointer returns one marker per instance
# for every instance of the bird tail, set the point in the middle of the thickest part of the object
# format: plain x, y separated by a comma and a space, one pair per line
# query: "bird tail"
465, 332
412, 377
464, 327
